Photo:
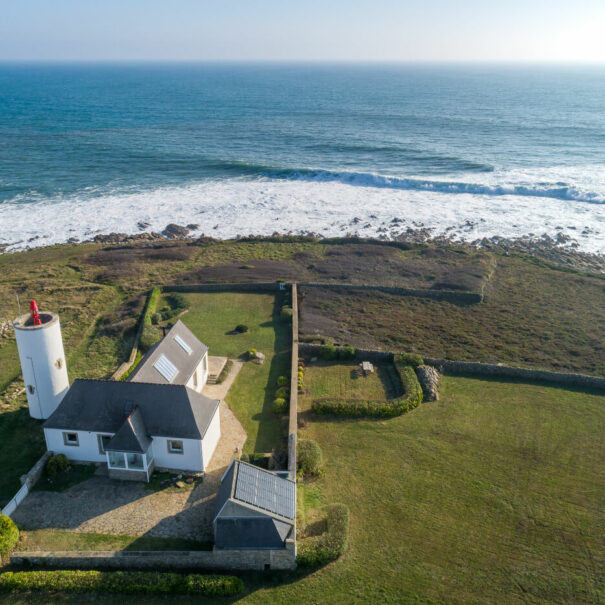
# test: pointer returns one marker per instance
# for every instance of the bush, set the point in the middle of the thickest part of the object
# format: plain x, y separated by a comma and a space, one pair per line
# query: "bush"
177, 301
241, 328
409, 359
282, 392
57, 464
280, 405
286, 314
411, 399
320, 550
125, 582
328, 352
308, 458
251, 353
156, 318
347, 352
283, 381
149, 337
300, 375
9, 534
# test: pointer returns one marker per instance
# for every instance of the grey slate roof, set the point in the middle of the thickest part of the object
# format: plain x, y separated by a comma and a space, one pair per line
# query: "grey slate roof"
131, 436
103, 406
255, 508
184, 361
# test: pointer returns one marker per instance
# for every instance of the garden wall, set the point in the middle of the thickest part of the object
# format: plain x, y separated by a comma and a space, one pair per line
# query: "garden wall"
163, 560
478, 369
247, 287
28, 481
293, 413
462, 297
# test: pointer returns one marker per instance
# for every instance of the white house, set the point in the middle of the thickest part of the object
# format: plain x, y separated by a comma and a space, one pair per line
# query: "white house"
158, 419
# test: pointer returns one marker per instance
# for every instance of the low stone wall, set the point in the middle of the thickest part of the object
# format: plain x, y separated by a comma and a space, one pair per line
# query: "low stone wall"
293, 411
232, 287
454, 296
222, 560
447, 366
27, 483
502, 371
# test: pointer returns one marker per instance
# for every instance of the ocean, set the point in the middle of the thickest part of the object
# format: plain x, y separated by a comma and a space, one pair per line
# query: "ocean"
467, 151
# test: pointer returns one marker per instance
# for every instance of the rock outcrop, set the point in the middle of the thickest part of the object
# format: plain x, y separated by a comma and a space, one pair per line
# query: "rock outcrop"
428, 377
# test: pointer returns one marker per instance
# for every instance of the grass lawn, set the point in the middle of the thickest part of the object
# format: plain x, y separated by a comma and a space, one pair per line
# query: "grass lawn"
212, 318
55, 539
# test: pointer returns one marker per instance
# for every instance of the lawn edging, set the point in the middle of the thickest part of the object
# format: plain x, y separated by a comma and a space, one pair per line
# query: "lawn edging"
124, 582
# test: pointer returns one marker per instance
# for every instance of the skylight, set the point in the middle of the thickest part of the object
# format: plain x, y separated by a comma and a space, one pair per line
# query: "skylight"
183, 345
166, 368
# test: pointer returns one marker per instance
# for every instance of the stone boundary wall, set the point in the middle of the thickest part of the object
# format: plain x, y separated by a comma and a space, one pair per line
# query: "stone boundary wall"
293, 413
232, 287
461, 297
223, 560
479, 369
27, 483
135, 347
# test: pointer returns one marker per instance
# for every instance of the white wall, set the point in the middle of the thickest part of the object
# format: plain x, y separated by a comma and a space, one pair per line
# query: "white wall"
202, 375
87, 451
210, 439
189, 460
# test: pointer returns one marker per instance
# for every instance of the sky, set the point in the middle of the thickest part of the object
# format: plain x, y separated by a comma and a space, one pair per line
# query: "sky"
303, 30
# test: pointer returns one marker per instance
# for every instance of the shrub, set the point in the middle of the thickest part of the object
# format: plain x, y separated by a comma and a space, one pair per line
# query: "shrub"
411, 399
241, 328
347, 352
280, 405
300, 375
149, 337
9, 534
246, 267
308, 458
282, 381
328, 352
178, 301
286, 314
156, 318
57, 464
409, 359
251, 353
282, 392
320, 550
125, 582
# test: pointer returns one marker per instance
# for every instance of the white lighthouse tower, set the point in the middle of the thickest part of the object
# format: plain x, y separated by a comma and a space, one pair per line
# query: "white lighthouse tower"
42, 358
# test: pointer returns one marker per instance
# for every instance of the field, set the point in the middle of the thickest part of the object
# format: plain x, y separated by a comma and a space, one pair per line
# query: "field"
212, 318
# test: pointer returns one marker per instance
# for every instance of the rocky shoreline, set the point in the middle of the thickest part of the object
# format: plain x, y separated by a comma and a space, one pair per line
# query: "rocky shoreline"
560, 250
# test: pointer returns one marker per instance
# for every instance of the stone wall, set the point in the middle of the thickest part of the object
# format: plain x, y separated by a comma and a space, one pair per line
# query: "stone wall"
163, 560
478, 369
459, 297
233, 287
27, 483
293, 414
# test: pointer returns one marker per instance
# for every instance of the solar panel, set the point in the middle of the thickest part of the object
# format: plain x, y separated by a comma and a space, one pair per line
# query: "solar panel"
265, 490
166, 368
183, 345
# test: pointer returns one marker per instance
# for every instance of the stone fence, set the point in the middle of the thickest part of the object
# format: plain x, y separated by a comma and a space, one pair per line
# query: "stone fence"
232, 287
454, 296
293, 412
478, 369
223, 560
27, 483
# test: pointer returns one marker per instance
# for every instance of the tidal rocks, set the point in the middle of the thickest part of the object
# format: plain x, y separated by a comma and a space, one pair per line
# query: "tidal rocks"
173, 231
428, 377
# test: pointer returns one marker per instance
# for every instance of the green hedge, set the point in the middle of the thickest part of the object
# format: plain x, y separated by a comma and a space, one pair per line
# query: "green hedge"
149, 334
9, 534
320, 550
410, 359
121, 582
411, 399
331, 352
308, 457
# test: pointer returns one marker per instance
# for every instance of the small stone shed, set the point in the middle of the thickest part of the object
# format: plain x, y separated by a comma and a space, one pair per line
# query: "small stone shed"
255, 508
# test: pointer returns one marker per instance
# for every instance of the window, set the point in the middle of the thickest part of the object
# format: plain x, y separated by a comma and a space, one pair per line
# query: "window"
135, 460
175, 447
71, 439
195, 378
116, 460
31, 388
103, 440
205, 363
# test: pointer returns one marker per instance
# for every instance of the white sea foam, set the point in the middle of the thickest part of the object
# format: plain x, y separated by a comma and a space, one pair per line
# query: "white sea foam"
226, 208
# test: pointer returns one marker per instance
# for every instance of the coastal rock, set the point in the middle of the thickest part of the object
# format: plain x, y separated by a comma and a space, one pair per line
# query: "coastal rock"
173, 231
428, 377
142, 225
